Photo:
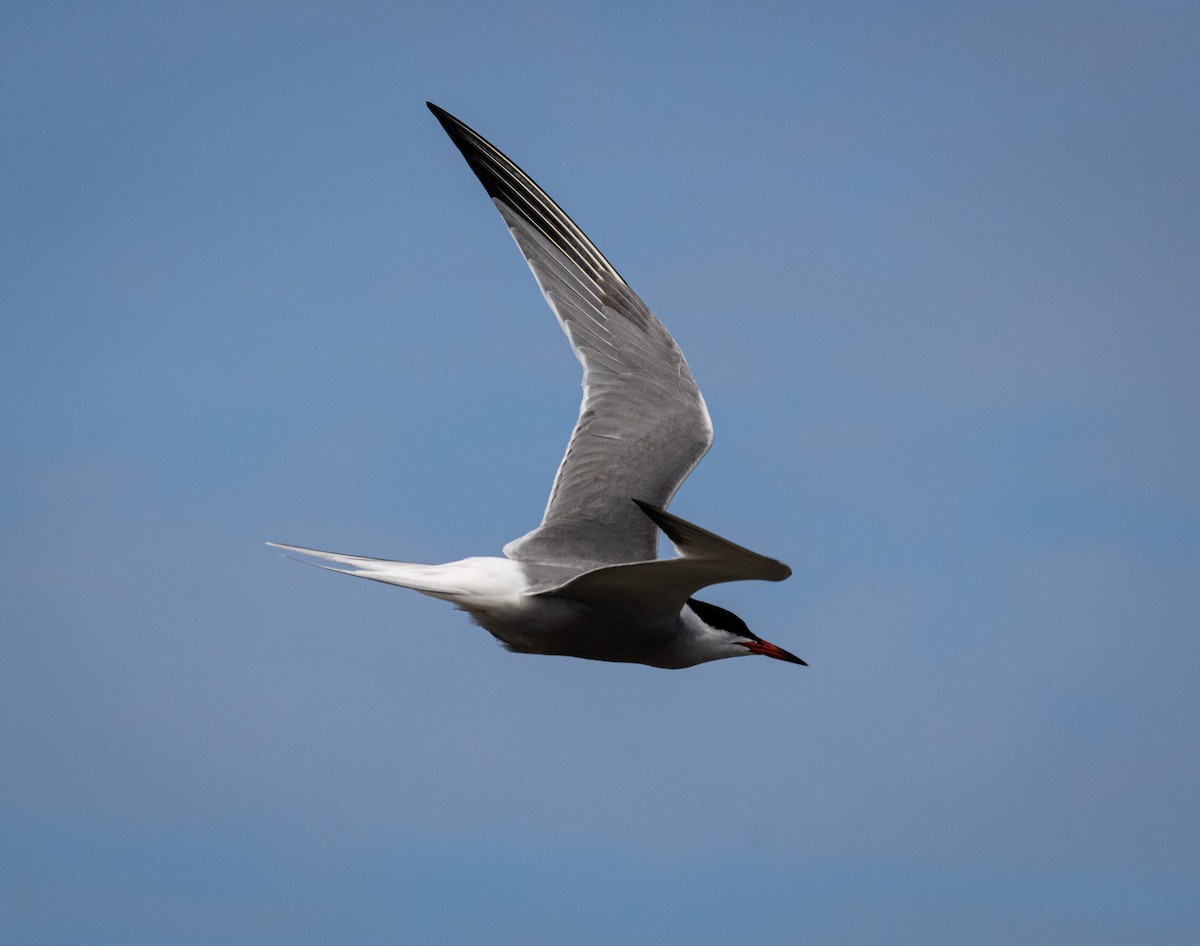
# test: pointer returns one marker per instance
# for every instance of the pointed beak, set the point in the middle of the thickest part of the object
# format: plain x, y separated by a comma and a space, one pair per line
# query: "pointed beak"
770, 650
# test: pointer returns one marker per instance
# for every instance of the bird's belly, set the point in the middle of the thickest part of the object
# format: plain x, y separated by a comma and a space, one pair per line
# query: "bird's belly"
560, 626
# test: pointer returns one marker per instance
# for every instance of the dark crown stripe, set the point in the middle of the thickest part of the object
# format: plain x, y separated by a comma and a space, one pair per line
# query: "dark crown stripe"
721, 619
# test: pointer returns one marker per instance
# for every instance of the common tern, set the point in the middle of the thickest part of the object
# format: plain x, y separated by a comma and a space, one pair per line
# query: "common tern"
587, 581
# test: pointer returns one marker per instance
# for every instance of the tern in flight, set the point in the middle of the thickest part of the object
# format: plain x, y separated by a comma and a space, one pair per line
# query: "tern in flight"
587, 582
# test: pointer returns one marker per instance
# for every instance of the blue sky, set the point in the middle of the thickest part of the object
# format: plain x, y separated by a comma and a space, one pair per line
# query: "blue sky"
934, 267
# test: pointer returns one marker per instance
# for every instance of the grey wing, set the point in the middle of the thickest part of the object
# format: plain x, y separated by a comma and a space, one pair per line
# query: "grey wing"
662, 587
643, 425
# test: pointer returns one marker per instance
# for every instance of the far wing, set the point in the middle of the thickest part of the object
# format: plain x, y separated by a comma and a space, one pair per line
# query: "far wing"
643, 425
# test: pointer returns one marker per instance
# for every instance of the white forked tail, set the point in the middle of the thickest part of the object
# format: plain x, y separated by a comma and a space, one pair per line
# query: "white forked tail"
461, 582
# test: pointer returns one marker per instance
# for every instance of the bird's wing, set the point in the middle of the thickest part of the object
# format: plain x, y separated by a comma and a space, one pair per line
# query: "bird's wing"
642, 426
662, 587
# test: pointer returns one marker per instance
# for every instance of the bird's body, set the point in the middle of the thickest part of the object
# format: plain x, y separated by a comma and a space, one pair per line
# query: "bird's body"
586, 582
501, 596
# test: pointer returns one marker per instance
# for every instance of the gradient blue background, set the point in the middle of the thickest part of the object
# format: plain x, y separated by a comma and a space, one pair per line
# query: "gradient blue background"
935, 268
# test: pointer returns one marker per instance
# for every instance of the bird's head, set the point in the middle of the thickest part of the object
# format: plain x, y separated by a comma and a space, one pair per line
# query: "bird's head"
724, 634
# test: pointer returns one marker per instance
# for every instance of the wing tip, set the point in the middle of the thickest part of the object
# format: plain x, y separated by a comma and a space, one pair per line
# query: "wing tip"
441, 114
683, 533
453, 127
480, 154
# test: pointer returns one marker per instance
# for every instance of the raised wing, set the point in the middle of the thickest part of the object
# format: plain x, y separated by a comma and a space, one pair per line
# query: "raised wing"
642, 426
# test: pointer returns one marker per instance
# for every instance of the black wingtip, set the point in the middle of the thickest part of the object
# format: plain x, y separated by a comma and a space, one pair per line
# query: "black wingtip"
496, 172
451, 124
